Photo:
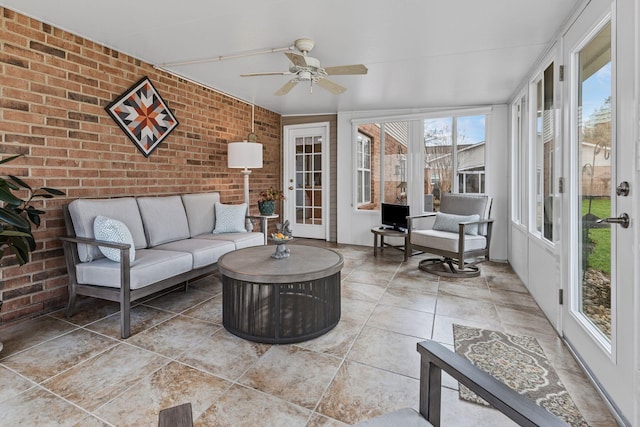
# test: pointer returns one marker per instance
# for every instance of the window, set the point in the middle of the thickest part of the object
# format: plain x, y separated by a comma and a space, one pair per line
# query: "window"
543, 153
363, 161
453, 144
381, 164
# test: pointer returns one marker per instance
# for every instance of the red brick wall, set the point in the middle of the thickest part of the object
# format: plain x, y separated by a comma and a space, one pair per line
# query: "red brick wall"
53, 90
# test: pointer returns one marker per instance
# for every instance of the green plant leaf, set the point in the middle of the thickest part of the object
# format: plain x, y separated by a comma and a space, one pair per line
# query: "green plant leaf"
14, 233
8, 159
34, 217
53, 191
20, 251
8, 197
13, 219
43, 195
20, 182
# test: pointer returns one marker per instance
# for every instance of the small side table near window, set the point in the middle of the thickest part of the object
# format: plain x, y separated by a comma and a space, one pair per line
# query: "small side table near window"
383, 232
264, 224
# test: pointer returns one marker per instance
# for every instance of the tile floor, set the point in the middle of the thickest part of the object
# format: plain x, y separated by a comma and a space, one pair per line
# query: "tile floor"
79, 373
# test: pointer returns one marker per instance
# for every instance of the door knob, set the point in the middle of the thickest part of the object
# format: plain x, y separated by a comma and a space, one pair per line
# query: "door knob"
622, 189
623, 220
291, 187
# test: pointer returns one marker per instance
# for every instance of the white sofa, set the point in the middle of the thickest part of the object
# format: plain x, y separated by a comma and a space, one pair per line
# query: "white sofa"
174, 239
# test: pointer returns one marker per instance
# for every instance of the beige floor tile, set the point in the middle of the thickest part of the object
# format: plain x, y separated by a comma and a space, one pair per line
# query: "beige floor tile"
88, 310
371, 276
179, 300
210, 310
395, 319
360, 392
475, 282
223, 354
525, 320
293, 374
98, 380
318, 420
476, 293
468, 309
514, 300
91, 421
142, 318
443, 327
337, 341
174, 384
355, 311
508, 282
12, 384
584, 396
457, 412
38, 407
175, 336
412, 300
31, 332
210, 284
242, 406
361, 291
387, 350
415, 281
59, 354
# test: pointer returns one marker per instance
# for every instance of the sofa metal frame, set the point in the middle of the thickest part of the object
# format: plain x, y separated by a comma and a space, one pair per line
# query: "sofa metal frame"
124, 295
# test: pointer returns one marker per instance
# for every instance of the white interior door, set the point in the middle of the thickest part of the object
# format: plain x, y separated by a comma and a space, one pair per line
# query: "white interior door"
306, 179
598, 313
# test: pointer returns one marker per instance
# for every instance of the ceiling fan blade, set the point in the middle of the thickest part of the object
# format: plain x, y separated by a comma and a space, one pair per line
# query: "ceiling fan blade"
346, 69
332, 87
297, 60
273, 73
286, 88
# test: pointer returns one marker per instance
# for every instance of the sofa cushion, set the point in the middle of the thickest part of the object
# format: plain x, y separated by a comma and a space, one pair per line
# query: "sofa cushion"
200, 212
84, 211
164, 218
230, 218
204, 252
112, 230
446, 241
150, 266
240, 240
451, 223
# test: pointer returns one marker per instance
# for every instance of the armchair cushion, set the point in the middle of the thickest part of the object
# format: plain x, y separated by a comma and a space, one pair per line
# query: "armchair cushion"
450, 222
446, 240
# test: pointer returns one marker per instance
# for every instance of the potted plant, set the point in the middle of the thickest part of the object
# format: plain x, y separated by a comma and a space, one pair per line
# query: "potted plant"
17, 215
267, 200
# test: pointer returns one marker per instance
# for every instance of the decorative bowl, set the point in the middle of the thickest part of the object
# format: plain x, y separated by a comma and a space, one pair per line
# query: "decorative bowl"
280, 240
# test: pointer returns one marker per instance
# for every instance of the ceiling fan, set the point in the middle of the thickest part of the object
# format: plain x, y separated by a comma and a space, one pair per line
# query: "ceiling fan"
305, 68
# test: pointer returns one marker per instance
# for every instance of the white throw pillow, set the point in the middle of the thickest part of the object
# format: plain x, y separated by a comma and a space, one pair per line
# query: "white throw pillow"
230, 218
450, 222
112, 230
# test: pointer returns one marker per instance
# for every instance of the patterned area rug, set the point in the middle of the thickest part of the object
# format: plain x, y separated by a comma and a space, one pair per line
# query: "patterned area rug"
520, 363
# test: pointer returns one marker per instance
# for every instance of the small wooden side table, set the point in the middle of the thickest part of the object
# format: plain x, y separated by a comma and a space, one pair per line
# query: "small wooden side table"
388, 232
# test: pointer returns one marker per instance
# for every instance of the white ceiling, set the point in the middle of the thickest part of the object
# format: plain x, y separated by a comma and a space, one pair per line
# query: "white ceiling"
420, 53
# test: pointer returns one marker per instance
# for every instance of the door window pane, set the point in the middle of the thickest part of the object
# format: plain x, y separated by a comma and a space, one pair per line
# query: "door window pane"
470, 144
594, 191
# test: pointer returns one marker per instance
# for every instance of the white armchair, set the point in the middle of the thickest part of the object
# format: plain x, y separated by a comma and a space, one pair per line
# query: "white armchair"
460, 233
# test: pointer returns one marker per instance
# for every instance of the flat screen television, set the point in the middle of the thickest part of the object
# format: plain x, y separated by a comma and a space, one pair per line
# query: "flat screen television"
395, 216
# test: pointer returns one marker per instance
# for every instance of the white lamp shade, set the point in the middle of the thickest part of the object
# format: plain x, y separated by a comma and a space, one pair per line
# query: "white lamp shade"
244, 155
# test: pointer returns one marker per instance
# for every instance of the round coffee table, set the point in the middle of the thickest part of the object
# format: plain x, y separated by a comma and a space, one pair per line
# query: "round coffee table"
280, 301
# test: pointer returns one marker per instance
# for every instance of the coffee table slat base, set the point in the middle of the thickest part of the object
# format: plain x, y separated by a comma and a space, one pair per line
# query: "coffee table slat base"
281, 313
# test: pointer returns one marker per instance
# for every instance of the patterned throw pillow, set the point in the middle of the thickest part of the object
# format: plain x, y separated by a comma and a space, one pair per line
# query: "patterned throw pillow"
450, 222
112, 230
230, 218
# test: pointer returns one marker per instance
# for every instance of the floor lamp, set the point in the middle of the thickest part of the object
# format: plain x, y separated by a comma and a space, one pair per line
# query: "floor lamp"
245, 155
